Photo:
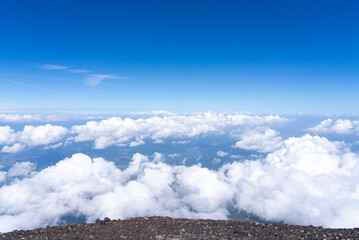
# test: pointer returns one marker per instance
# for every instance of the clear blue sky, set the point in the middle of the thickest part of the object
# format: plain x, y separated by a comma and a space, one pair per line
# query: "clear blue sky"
185, 56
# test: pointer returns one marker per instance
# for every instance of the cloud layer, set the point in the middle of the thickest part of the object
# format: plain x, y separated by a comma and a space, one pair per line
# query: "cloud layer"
128, 131
339, 126
308, 180
18, 118
118, 131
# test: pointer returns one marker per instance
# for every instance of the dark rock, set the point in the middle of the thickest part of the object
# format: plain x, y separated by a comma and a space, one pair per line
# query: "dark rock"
172, 228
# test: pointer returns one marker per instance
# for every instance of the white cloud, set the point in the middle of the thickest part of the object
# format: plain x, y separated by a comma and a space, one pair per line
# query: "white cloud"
30, 136
261, 140
339, 126
115, 130
161, 112
309, 180
136, 143
172, 155
181, 142
222, 154
41, 135
93, 80
13, 149
54, 146
158, 141
97, 188
54, 67
129, 131
18, 118
78, 71
7, 135
216, 160
21, 169
235, 156
2, 176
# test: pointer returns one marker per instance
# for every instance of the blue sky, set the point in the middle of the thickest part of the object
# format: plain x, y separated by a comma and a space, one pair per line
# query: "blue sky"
184, 56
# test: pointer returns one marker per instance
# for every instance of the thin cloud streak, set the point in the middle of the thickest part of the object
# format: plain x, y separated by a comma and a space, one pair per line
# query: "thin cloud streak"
54, 67
78, 71
93, 80
22, 84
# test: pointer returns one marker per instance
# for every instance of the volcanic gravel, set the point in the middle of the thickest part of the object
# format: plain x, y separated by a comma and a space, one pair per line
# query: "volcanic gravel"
172, 228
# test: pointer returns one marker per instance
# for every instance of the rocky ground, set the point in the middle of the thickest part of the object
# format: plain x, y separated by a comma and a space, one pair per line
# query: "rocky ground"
171, 228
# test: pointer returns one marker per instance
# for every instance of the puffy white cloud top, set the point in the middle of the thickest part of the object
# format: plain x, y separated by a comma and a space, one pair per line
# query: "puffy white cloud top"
261, 140
308, 180
18, 118
222, 153
131, 132
118, 131
30, 136
339, 126
7, 135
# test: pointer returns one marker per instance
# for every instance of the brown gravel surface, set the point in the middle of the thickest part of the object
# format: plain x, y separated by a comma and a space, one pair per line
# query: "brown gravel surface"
172, 228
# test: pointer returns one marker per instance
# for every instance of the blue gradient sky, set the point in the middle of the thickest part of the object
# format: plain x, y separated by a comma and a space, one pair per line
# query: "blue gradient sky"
185, 56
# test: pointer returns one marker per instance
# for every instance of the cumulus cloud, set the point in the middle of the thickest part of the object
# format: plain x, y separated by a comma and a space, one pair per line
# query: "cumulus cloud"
118, 131
172, 155
97, 188
339, 126
308, 180
18, 118
158, 141
42, 135
136, 143
21, 169
222, 154
7, 135
261, 140
54, 67
13, 149
216, 160
128, 131
54, 146
30, 136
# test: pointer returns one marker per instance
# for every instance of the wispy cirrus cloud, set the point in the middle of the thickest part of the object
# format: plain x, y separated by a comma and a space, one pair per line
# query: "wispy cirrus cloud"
23, 84
93, 80
54, 67
78, 71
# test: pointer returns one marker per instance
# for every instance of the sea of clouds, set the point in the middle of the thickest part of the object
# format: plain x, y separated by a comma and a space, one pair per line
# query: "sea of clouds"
301, 180
129, 131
